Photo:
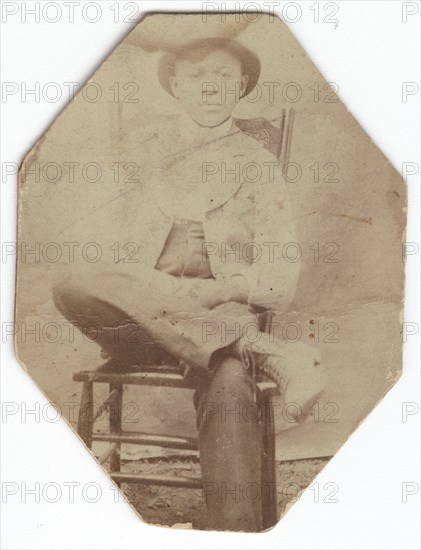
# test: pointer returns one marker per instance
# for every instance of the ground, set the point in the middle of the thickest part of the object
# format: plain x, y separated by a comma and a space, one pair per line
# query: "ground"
167, 505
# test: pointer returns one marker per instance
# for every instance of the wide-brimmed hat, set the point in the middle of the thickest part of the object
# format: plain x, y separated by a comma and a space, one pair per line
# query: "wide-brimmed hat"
250, 61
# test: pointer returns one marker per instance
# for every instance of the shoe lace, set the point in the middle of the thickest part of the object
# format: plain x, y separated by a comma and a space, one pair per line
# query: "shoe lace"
272, 368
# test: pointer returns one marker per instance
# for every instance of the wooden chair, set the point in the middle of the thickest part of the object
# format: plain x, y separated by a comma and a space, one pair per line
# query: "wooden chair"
174, 377
276, 139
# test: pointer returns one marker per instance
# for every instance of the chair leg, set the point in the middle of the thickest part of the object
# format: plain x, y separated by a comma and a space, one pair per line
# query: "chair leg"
116, 412
269, 493
85, 418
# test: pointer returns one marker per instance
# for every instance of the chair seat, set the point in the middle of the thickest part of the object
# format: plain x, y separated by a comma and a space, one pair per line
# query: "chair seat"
154, 375
157, 375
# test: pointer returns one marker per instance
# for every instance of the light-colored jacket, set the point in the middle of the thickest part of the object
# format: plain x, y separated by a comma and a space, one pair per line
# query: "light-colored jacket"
232, 184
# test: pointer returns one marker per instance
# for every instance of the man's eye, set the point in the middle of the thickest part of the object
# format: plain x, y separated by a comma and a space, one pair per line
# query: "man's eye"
225, 75
195, 76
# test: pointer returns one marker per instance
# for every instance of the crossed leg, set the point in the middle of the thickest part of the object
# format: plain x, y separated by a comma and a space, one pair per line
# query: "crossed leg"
151, 328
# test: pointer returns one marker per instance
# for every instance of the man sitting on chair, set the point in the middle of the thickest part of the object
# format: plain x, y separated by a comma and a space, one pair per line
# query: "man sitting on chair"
213, 222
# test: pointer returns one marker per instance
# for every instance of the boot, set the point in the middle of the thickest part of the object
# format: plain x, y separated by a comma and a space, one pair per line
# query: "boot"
294, 367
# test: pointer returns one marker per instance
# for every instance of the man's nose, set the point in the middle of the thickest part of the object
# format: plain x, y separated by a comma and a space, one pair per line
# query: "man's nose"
209, 90
210, 87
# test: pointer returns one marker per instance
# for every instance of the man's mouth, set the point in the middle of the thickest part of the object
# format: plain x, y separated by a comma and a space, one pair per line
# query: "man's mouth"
211, 105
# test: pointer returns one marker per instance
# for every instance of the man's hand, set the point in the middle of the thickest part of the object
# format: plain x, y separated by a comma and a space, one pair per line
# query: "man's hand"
209, 293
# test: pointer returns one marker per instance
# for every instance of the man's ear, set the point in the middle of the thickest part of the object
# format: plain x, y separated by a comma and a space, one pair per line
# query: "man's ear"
244, 82
173, 83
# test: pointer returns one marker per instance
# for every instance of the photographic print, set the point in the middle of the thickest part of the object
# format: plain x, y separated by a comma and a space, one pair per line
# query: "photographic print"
210, 273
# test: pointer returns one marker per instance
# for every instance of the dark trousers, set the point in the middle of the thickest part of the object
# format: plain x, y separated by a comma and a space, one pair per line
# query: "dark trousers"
229, 444
229, 432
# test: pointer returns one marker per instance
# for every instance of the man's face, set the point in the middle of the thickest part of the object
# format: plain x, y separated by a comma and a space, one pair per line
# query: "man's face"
209, 89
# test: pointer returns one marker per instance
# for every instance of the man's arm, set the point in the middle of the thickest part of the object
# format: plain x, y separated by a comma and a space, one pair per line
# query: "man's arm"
270, 281
273, 278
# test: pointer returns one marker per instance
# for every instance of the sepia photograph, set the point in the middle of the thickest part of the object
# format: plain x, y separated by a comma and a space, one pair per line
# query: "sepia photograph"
210, 270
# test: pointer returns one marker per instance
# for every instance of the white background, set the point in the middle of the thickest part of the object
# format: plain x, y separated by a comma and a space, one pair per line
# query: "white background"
370, 53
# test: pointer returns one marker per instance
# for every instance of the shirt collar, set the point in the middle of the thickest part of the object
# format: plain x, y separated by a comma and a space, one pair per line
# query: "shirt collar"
191, 132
